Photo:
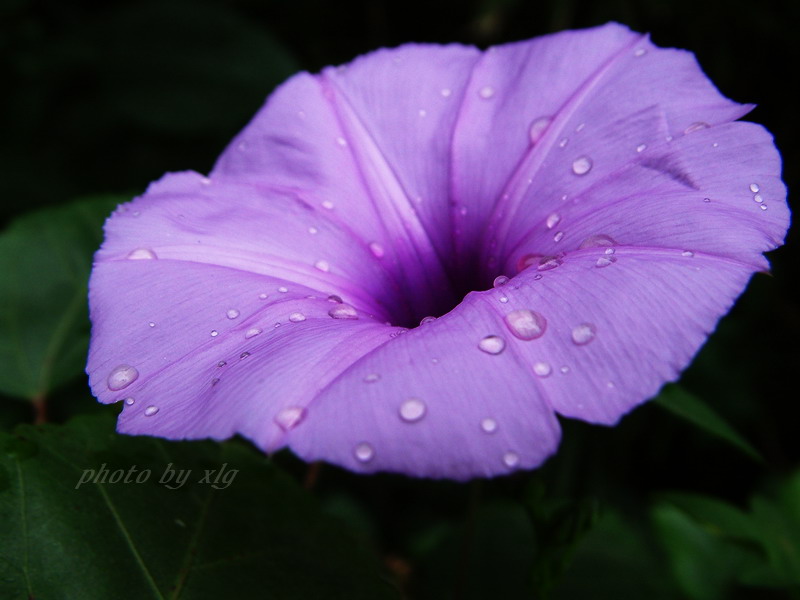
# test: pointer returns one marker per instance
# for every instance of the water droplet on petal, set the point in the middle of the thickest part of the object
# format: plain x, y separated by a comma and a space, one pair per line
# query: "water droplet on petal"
412, 410
372, 378
297, 317
322, 265
582, 165
446, 92
327, 204
343, 311
232, 313
426, 320
511, 459
221, 363
335, 299
758, 198
290, 417
313, 230
142, 254
553, 220
364, 452
583, 334
706, 199
639, 52
542, 369
283, 290
687, 253
129, 401
422, 112
376, 249
121, 377
641, 147
563, 142
597, 241
548, 263
341, 141
527, 260
580, 127
525, 324
537, 128
151, 324
492, 344
500, 281
605, 261
754, 188
214, 333
251, 333
503, 299
559, 235
150, 411
763, 207
697, 126
489, 425
486, 92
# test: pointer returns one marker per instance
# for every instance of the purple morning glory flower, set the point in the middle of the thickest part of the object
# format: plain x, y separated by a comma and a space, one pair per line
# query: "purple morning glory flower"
577, 211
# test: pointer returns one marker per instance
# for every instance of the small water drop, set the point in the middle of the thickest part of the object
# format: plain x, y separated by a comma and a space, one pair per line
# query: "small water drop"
500, 281
605, 261
251, 333
492, 344
313, 230
503, 299
609, 251
372, 377
687, 253
121, 377
542, 369
582, 165
283, 289
597, 241
150, 411
412, 410
525, 324
758, 198
322, 265
214, 333
297, 317
558, 236
151, 324
580, 127
641, 147
335, 299
422, 113
343, 311
426, 320
696, 126
262, 296
488, 425
639, 52
341, 141
563, 142
232, 313
327, 204
222, 363
537, 129
142, 254
129, 401
706, 200
486, 92
763, 207
376, 249
564, 370
511, 459
528, 260
290, 417
364, 452
446, 92
244, 355
552, 220
548, 263
754, 188
583, 334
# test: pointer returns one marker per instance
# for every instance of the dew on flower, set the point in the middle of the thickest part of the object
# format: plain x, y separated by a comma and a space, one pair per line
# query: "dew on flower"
754, 188
552, 220
151, 324
327, 205
525, 324
558, 236
597, 241
297, 317
641, 147
371, 377
639, 52
758, 198
150, 410
251, 333
214, 333
313, 230
564, 370
322, 265
129, 401
763, 207
343, 311
488, 425
232, 313
222, 363
687, 253
548, 263
244, 355
376, 249
500, 281
445, 92
412, 410
605, 261
697, 126
121, 377
537, 129
364, 452
583, 334
426, 320
542, 369
582, 165
290, 417
511, 459
486, 92
142, 254
492, 344
282, 289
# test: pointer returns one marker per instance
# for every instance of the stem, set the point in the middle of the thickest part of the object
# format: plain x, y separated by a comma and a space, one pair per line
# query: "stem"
312, 475
39, 402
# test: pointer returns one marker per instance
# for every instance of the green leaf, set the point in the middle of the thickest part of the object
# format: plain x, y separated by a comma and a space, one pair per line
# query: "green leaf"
689, 407
91, 514
45, 258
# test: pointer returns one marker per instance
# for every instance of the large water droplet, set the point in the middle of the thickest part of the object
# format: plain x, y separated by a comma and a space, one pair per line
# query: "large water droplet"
537, 129
297, 317
697, 126
343, 311
322, 265
142, 254
600, 240
489, 425
290, 417
486, 92
251, 333
582, 165
542, 369
376, 249
583, 334
150, 411
363, 452
492, 344
511, 459
232, 313
412, 410
525, 324
553, 220
121, 377
499, 281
